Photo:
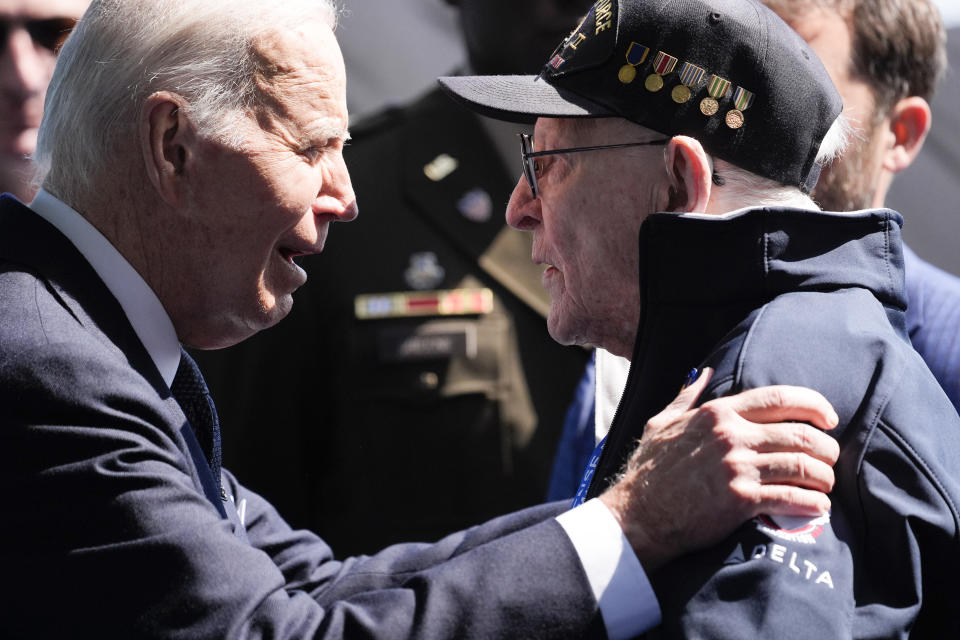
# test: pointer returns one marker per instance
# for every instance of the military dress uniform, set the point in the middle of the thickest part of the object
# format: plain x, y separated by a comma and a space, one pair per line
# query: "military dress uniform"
417, 350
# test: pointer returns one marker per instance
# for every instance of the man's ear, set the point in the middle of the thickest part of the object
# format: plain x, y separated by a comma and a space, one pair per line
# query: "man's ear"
909, 122
165, 138
688, 170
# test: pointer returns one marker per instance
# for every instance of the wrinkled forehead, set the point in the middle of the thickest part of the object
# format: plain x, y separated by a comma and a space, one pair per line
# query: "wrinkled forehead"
308, 45
40, 9
303, 74
304, 59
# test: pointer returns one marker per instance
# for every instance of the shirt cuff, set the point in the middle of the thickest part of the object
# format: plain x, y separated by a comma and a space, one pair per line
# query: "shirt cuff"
624, 594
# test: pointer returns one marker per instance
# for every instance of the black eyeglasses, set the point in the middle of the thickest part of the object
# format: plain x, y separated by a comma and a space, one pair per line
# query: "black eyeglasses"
531, 167
49, 32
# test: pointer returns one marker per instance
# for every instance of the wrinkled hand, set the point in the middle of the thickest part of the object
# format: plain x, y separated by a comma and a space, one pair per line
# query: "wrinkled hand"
698, 474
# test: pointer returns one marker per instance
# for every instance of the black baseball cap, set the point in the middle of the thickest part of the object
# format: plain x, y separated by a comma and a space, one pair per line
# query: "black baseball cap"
729, 73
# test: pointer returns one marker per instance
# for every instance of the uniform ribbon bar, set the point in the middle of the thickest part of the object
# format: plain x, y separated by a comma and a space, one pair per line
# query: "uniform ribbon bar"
402, 304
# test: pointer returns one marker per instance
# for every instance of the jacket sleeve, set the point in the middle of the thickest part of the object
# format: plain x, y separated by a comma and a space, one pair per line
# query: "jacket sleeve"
882, 564
108, 535
774, 578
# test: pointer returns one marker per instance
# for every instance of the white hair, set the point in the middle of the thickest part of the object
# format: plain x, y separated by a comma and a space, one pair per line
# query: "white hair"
122, 51
745, 188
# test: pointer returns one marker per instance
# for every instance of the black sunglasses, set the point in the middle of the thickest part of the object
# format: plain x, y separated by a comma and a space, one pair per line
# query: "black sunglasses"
49, 32
531, 167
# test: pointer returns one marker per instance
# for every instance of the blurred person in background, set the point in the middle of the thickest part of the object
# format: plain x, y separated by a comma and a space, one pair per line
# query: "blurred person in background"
32, 32
886, 58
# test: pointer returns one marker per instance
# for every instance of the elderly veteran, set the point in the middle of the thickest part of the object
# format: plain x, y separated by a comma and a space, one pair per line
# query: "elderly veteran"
190, 150
676, 143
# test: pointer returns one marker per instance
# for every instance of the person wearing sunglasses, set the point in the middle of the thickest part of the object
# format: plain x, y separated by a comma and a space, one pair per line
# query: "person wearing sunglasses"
31, 33
667, 189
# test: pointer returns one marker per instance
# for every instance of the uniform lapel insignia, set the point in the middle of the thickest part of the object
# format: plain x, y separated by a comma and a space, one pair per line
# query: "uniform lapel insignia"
476, 205
424, 271
441, 167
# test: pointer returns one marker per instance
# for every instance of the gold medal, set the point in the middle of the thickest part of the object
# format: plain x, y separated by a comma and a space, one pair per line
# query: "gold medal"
680, 93
663, 64
716, 88
691, 77
636, 55
742, 99
627, 73
734, 118
654, 82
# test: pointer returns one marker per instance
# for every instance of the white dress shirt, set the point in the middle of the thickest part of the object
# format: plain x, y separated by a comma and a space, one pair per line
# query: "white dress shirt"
144, 311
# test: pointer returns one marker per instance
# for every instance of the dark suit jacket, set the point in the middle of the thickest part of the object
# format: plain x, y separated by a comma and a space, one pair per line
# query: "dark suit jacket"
107, 531
486, 421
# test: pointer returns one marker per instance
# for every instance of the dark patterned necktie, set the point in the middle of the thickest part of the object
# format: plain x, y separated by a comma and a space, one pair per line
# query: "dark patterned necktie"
191, 392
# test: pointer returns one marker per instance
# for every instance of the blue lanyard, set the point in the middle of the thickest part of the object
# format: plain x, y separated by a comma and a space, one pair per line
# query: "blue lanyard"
588, 474
595, 456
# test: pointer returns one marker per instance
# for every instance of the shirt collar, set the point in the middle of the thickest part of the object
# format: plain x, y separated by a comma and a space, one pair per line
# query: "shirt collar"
141, 305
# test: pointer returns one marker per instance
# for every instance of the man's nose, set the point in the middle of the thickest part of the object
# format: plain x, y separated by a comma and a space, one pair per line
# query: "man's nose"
337, 196
523, 210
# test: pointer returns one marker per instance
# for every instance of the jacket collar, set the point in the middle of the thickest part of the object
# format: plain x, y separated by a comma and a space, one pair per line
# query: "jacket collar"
700, 276
757, 254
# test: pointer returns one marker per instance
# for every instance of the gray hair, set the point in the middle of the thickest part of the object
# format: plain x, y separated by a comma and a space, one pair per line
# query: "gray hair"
746, 189
122, 51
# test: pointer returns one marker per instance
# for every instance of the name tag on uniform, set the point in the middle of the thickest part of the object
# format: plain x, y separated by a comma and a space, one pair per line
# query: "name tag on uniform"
426, 342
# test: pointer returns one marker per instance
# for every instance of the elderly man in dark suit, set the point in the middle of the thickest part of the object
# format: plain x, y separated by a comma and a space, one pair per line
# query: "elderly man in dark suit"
190, 151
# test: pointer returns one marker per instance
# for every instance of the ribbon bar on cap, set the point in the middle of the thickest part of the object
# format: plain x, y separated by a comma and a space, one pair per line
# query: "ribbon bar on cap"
691, 77
663, 65
636, 55
742, 99
717, 88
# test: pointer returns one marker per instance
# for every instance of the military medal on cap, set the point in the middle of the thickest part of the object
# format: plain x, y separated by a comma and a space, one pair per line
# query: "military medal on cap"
663, 65
636, 55
742, 99
691, 77
717, 88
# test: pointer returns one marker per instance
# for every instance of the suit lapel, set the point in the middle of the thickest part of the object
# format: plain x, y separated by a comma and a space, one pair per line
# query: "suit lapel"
31, 241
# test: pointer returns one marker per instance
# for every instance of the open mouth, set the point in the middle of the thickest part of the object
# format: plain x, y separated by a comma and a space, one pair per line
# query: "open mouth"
289, 254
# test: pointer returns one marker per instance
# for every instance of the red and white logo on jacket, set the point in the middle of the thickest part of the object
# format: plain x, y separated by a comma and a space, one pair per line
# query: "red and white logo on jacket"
802, 530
